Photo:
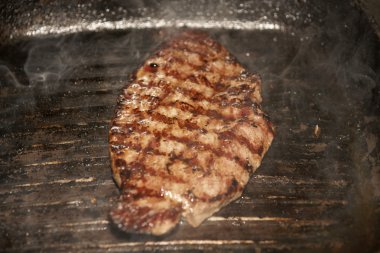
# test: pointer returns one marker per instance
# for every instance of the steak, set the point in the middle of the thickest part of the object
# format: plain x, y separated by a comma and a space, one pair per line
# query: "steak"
188, 133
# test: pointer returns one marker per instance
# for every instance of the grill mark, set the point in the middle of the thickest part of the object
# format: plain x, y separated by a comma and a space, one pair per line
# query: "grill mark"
187, 124
241, 139
222, 100
192, 93
132, 192
233, 187
203, 80
175, 59
120, 163
151, 99
128, 145
159, 84
174, 73
220, 86
218, 152
139, 166
260, 150
214, 114
146, 169
139, 169
245, 105
127, 214
192, 126
240, 89
162, 118
191, 143
207, 50
152, 147
151, 83
125, 175
130, 172
169, 214
191, 161
242, 93
134, 217
132, 127
243, 110
148, 150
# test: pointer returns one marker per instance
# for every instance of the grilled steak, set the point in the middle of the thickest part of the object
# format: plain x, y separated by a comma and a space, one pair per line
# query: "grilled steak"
187, 135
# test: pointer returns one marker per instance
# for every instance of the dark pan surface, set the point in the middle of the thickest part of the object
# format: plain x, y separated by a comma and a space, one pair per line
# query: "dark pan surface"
318, 189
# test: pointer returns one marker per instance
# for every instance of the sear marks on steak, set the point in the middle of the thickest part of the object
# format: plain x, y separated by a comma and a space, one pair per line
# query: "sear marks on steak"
188, 133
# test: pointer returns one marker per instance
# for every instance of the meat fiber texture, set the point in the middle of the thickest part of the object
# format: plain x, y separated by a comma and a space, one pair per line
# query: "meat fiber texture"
188, 133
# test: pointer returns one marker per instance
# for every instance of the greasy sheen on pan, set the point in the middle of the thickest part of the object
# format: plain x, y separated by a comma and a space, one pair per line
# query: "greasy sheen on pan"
188, 133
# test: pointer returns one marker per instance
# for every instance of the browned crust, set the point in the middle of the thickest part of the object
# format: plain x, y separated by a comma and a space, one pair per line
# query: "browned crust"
221, 93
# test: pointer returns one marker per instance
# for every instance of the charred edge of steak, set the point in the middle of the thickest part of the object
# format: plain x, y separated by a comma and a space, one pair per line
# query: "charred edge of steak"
157, 219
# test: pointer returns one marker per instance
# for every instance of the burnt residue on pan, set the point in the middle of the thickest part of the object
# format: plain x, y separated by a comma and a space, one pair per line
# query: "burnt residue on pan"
63, 66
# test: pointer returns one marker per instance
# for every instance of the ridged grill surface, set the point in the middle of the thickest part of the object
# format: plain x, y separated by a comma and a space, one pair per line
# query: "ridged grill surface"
317, 189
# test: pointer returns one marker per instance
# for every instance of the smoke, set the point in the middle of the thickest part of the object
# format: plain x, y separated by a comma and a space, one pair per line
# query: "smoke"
8, 78
45, 65
11, 105
311, 65
332, 66
317, 70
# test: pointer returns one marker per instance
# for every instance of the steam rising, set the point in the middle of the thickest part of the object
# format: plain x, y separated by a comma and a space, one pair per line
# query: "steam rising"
8, 78
45, 65
318, 66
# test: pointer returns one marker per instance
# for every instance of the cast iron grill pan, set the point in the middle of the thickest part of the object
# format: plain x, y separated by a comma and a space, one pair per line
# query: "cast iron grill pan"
317, 189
